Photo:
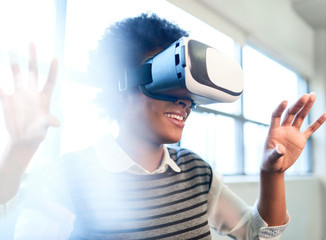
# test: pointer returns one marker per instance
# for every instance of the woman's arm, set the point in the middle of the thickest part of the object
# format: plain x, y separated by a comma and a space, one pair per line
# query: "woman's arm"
284, 144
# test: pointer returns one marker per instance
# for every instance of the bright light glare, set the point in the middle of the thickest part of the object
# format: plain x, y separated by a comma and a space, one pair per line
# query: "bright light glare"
82, 125
22, 22
87, 20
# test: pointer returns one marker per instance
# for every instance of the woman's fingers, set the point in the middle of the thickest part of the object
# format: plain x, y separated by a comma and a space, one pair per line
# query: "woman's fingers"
49, 84
302, 114
32, 71
32, 67
298, 112
277, 114
17, 77
294, 109
314, 126
33, 74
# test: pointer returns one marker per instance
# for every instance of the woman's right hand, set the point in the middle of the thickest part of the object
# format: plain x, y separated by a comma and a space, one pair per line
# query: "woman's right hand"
27, 118
26, 111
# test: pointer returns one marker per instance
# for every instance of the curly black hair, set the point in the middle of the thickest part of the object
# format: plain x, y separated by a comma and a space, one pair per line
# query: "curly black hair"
123, 45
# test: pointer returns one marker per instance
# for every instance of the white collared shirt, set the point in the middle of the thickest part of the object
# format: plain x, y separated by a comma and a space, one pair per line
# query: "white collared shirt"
114, 159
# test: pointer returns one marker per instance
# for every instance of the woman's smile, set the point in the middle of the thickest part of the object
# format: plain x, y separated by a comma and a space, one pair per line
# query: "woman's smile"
177, 118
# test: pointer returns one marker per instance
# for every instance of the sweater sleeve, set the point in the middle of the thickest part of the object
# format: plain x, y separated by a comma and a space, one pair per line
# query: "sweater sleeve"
229, 215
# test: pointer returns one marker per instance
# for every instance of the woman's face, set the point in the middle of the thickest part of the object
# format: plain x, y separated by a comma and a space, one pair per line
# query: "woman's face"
155, 120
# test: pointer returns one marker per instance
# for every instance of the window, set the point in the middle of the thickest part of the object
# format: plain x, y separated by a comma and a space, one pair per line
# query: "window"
213, 137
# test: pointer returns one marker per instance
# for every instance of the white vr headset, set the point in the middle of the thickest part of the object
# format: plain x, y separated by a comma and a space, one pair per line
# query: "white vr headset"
187, 69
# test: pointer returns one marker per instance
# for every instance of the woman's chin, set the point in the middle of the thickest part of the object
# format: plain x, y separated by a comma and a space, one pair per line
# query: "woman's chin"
172, 139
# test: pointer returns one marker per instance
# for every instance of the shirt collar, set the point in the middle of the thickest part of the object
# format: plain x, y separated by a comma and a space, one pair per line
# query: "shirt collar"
114, 159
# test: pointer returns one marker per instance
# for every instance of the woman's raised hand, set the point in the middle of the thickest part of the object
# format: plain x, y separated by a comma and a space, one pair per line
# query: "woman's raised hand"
26, 110
285, 140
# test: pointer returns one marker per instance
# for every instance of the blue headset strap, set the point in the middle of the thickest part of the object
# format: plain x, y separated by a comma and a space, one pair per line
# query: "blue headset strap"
140, 76
162, 96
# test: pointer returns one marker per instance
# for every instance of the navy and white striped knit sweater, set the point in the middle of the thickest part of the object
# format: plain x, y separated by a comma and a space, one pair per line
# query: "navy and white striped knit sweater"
168, 205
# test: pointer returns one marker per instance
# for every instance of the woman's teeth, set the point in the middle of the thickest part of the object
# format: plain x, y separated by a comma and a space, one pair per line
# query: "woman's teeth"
174, 116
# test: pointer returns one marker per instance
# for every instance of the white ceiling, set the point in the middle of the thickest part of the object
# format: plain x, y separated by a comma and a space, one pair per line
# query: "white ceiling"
312, 11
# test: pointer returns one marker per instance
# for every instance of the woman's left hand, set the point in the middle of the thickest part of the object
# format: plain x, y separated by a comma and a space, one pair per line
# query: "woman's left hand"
285, 141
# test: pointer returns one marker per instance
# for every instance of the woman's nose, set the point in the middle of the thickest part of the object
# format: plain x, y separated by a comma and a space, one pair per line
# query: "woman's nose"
185, 103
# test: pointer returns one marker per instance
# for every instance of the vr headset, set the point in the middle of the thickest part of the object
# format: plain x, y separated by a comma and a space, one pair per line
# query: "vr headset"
187, 69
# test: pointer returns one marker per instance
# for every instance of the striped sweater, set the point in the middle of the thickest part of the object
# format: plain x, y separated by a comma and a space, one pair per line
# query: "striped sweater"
168, 205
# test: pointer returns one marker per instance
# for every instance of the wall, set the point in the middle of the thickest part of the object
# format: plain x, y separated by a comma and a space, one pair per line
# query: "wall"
319, 86
304, 203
